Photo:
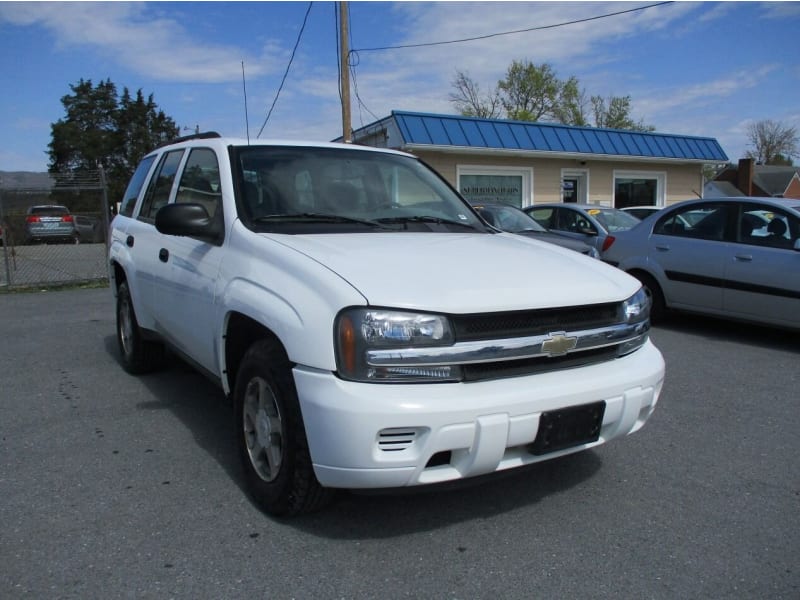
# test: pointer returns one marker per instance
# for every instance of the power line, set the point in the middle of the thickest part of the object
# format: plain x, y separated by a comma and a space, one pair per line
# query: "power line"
296, 44
491, 35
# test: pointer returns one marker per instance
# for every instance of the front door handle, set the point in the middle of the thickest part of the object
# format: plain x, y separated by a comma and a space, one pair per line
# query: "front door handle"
744, 257
163, 255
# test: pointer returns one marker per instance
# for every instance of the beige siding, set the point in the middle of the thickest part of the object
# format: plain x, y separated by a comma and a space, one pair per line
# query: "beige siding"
682, 180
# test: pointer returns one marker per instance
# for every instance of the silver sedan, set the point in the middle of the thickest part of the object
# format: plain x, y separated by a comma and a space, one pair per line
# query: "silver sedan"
736, 258
592, 224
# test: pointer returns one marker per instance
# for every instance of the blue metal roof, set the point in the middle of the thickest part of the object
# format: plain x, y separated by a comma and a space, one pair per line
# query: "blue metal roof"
421, 129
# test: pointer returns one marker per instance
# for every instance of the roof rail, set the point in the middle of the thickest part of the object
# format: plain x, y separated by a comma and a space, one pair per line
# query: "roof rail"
205, 135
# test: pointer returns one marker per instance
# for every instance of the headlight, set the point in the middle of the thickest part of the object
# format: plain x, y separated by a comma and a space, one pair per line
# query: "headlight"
637, 307
636, 312
361, 330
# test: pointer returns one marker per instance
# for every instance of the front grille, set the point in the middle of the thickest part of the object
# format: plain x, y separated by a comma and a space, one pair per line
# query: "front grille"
532, 322
541, 364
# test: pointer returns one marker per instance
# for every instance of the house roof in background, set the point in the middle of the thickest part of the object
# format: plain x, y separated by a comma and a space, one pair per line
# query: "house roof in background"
425, 129
774, 180
721, 189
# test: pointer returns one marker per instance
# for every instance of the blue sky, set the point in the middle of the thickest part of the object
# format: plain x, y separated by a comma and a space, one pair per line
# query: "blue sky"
706, 68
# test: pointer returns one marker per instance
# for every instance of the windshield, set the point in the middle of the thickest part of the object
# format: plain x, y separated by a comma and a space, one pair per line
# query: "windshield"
613, 219
328, 190
48, 211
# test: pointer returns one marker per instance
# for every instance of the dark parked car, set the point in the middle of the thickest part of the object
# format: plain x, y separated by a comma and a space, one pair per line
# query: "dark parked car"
89, 229
589, 223
736, 258
50, 223
513, 220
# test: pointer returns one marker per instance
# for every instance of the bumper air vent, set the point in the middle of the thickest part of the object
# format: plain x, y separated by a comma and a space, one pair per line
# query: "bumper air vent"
396, 439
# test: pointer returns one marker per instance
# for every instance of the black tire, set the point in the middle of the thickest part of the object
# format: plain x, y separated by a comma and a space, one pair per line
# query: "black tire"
270, 435
658, 307
138, 355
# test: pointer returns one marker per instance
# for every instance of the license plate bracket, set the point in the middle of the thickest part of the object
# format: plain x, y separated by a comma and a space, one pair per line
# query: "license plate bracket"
568, 427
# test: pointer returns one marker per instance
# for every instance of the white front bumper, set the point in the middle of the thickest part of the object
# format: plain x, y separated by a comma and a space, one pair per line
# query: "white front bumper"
376, 435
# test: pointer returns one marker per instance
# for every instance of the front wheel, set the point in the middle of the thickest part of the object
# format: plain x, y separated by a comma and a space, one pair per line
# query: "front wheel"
271, 440
138, 355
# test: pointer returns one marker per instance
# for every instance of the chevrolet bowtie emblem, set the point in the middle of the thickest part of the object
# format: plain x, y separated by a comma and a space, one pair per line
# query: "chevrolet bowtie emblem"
559, 344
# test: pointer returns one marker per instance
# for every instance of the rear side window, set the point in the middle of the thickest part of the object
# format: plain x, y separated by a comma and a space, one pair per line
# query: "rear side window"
764, 225
135, 186
160, 185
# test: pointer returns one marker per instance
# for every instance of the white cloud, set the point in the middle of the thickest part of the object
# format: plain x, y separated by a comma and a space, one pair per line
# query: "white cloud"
159, 48
707, 93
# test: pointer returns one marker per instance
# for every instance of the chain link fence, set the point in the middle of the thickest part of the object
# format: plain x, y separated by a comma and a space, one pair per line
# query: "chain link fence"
53, 229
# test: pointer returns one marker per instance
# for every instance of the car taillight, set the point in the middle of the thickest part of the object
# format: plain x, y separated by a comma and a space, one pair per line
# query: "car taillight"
32, 219
66, 219
607, 242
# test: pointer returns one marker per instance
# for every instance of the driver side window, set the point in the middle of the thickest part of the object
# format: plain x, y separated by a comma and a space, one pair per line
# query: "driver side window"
573, 221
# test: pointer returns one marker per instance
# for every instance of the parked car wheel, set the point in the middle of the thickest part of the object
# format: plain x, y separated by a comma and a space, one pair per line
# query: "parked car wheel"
658, 307
271, 438
138, 355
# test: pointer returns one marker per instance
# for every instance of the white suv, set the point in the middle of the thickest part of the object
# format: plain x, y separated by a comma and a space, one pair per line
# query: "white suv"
371, 329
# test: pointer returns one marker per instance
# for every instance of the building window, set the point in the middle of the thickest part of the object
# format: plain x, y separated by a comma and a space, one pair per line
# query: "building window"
496, 185
639, 188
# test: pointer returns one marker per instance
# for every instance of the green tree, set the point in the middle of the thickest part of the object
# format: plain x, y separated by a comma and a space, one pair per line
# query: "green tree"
572, 108
615, 113
85, 138
533, 92
774, 143
100, 129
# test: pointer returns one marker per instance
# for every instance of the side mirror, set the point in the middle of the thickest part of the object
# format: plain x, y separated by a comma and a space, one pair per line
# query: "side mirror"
190, 220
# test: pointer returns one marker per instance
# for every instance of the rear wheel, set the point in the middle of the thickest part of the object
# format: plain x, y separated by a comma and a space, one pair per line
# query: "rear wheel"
271, 440
138, 355
658, 307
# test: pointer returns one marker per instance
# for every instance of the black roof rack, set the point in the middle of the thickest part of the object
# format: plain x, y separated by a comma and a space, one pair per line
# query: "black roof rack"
205, 135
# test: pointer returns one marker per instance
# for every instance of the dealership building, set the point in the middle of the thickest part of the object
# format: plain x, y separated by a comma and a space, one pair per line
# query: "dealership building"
525, 163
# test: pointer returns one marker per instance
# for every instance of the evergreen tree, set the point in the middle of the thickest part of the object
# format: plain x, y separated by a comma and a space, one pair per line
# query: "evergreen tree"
101, 129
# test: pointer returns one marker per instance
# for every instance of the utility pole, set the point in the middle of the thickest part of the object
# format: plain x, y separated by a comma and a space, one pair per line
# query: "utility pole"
344, 35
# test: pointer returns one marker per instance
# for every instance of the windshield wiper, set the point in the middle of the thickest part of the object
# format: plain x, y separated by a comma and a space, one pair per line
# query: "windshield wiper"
309, 217
425, 219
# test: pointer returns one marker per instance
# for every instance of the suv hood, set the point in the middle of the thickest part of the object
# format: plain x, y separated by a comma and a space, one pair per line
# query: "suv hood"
463, 273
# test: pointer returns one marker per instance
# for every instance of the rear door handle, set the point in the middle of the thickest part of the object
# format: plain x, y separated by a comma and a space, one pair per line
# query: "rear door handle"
129, 241
662, 247
163, 255
744, 257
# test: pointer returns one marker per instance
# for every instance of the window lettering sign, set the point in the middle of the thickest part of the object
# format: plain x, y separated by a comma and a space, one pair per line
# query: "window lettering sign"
492, 188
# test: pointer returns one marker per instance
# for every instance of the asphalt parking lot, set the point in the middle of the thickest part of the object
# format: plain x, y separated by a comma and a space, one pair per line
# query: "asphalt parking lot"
119, 487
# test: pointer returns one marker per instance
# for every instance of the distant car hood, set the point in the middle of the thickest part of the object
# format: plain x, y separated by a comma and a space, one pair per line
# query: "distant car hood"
462, 273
